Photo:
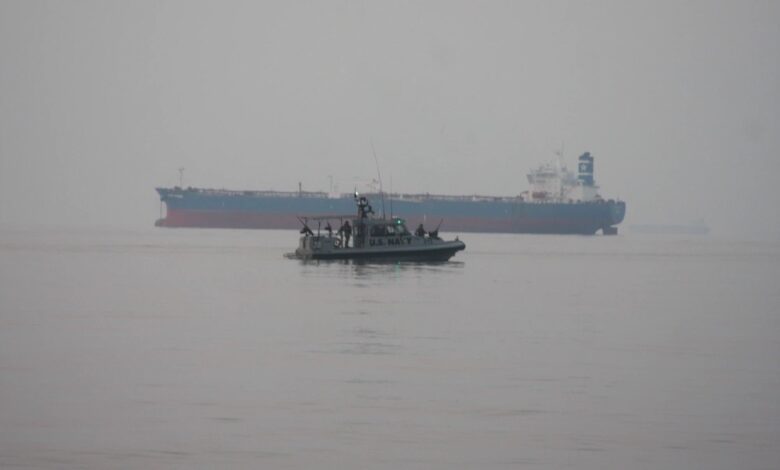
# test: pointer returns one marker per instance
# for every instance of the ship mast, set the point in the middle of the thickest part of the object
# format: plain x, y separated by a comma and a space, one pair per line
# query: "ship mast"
560, 156
560, 165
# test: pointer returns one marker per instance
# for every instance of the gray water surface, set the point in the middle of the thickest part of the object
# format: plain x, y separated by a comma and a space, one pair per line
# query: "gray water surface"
164, 348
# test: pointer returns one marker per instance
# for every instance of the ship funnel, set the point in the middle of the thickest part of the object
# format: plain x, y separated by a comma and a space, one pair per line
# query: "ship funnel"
586, 169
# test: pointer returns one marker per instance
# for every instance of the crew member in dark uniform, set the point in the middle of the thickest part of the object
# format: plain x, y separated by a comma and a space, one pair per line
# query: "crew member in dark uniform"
346, 229
364, 208
420, 232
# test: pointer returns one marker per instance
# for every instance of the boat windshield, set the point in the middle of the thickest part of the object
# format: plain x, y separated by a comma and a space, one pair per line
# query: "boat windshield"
388, 230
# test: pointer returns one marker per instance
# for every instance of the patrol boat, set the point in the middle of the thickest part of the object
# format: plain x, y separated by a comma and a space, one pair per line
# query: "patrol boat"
373, 238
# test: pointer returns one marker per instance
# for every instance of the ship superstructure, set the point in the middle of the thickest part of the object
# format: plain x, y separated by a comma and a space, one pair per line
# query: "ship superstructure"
555, 183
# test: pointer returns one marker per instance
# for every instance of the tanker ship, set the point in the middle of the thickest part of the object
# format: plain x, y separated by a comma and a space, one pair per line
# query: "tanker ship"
559, 201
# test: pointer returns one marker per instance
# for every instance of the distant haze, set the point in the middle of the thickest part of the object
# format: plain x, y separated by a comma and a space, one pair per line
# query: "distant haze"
101, 101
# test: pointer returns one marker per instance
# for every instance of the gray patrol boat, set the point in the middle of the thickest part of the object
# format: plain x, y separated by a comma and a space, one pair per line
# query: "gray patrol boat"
373, 238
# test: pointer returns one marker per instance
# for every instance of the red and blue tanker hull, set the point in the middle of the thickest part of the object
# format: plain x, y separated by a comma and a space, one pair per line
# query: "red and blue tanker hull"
209, 208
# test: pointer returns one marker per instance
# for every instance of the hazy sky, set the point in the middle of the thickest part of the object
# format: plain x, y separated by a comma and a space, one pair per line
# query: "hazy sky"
101, 101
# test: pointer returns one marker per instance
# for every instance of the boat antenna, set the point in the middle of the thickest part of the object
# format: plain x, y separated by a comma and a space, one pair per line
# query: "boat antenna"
391, 196
381, 192
181, 177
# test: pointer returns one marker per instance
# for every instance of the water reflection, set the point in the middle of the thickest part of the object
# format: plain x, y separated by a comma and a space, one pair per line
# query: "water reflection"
371, 269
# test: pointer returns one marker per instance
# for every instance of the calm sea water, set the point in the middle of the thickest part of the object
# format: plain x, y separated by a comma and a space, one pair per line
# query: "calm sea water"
168, 348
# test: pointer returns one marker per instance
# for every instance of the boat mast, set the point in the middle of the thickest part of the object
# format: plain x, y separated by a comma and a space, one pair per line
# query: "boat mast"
391, 196
381, 192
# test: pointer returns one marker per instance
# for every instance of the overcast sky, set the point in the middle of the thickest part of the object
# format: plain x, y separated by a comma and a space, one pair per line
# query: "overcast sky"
101, 101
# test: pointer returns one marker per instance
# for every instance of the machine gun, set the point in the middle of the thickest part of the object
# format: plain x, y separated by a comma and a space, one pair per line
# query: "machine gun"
305, 230
435, 232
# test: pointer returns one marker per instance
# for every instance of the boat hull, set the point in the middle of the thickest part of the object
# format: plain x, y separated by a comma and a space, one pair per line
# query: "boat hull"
439, 252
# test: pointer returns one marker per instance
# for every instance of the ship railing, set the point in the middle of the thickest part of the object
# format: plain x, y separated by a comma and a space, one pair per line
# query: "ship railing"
316, 218
269, 193
445, 197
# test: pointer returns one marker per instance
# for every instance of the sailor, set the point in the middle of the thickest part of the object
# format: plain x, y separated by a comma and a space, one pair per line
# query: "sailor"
329, 229
346, 229
420, 232
364, 208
